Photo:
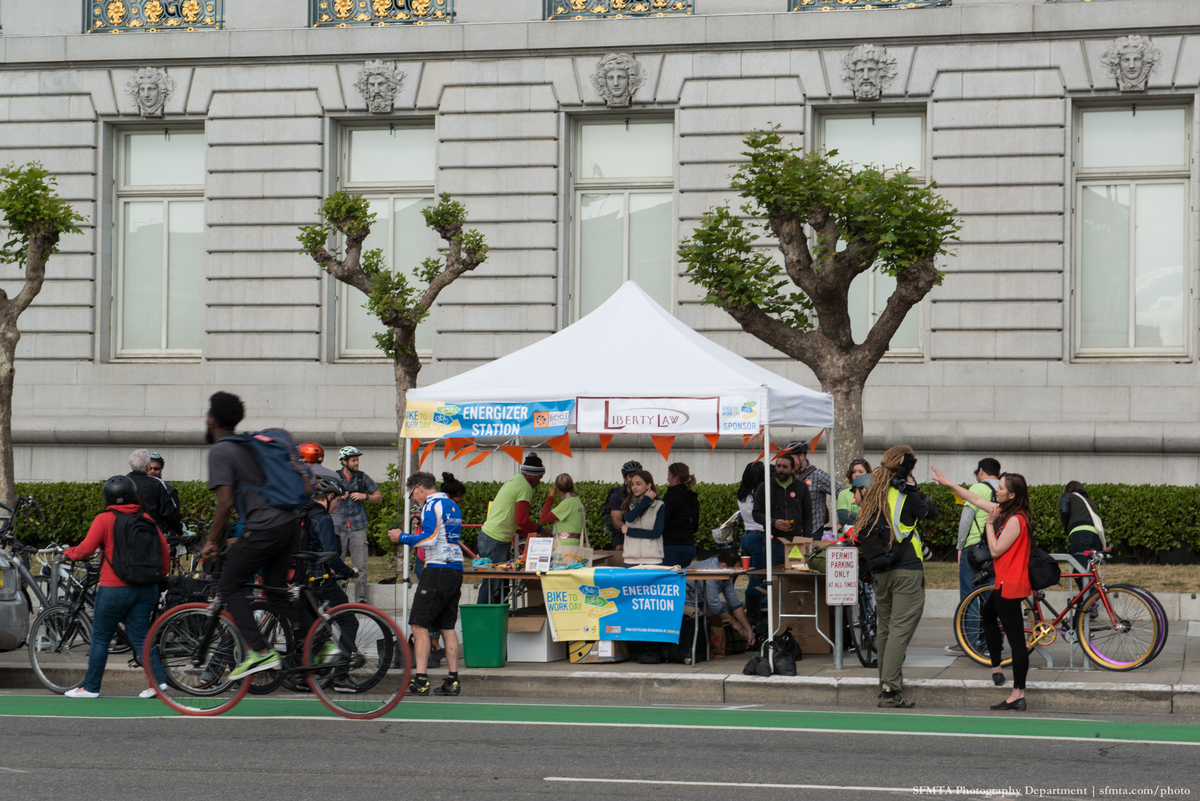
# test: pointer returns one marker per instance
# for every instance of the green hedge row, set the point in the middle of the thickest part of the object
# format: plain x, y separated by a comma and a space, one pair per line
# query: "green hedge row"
1143, 519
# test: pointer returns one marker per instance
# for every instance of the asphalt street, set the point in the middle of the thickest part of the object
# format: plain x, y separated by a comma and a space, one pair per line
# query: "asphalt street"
513, 751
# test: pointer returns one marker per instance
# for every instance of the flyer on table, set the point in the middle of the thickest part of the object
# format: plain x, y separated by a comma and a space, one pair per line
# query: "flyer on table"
607, 603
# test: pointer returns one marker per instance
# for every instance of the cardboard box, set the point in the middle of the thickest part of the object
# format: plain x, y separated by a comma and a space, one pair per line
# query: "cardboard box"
583, 652
799, 595
529, 640
795, 550
608, 558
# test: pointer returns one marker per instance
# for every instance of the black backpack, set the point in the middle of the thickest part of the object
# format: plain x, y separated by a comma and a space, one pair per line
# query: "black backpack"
137, 552
1043, 569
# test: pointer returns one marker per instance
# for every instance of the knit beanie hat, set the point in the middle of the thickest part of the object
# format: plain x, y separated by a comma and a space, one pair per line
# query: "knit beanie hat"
533, 466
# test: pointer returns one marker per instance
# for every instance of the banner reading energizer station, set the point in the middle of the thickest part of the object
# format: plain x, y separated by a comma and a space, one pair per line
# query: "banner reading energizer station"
607, 603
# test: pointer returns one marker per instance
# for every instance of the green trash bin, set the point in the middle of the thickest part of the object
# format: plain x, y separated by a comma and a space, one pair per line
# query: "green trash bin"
485, 634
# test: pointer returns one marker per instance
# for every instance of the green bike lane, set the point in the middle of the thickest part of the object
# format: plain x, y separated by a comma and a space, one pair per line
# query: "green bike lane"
1023, 727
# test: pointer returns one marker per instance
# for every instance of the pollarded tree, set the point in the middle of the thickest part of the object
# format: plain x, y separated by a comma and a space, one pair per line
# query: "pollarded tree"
397, 300
36, 218
832, 224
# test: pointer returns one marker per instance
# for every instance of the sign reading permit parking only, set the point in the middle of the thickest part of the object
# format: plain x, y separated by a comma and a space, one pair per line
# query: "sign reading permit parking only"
841, 576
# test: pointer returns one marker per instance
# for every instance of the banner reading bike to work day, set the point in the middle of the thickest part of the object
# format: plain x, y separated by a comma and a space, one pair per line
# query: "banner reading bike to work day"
605, 603
435, 419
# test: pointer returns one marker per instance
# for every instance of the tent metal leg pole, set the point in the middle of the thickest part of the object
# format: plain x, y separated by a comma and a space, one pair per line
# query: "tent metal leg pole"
769, 525
832, 498
406, 518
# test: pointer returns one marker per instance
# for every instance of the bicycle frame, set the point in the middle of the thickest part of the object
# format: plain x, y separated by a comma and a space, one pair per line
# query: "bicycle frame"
1040, 599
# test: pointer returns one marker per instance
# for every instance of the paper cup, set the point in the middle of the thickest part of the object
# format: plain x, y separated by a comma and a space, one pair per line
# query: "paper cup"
745, 563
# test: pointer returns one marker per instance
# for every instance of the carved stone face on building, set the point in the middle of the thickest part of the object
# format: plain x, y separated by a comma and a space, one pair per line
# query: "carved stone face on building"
617, 78
150, 89
868, 70
1131, 60
379, 84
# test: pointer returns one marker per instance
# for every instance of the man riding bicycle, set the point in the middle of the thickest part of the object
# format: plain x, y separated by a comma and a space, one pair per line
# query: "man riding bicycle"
268, 536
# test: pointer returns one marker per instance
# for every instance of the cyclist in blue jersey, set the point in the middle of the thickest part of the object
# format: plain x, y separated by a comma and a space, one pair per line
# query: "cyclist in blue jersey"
440, 585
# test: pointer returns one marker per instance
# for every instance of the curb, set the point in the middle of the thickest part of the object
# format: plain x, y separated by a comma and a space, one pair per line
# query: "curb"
598, 687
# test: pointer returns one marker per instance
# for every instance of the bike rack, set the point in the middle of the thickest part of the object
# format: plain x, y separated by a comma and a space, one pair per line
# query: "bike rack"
1069, 635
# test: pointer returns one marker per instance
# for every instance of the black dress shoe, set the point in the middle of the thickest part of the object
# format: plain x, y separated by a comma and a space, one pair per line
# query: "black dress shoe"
1018, 705
998, 679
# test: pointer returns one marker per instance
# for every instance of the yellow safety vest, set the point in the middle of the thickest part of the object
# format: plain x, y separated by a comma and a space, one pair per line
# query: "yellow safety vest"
896, 505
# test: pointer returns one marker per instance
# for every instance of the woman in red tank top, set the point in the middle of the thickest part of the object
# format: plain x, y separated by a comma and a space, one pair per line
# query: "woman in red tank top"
1009, 540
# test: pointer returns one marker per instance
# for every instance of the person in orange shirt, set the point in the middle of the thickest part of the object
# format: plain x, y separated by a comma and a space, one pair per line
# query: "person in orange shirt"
117, 602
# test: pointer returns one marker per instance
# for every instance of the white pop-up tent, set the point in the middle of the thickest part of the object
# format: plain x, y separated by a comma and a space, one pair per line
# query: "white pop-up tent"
590, 361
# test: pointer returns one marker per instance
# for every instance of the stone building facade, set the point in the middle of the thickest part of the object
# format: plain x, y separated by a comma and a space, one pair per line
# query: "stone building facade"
1063, 341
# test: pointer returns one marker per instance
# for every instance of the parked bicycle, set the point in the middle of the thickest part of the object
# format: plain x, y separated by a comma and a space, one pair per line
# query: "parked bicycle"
862, 623
353, 656
1119, 627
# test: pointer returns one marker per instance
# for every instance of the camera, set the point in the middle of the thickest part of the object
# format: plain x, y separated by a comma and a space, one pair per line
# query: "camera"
900, 480
986, 573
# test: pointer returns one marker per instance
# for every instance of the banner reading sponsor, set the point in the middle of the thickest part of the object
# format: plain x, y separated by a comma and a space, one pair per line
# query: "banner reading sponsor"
434, 419
606, 603
740, 415
647, 415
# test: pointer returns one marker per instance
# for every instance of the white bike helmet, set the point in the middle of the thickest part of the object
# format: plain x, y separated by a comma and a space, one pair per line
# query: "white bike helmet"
348, 451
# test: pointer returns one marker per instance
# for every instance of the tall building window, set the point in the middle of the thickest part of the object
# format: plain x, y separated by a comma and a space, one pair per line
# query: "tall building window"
159, 286
1132, 232
392, 166
623, 199
893, 141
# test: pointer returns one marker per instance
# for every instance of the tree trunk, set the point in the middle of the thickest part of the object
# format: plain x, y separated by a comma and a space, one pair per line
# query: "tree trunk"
847, 421
406, 379
9, 336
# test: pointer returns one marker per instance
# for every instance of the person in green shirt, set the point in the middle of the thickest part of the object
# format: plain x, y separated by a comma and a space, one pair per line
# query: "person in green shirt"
847, 509
565, 510
970, 532
509, 514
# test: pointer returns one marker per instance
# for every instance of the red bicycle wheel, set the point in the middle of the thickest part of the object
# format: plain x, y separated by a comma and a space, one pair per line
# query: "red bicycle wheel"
191, 689
365, 659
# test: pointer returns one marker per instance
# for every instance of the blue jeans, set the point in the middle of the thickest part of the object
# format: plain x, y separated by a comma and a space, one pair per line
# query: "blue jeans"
682, 555
491, 591
966, 585
132, 606
754, 545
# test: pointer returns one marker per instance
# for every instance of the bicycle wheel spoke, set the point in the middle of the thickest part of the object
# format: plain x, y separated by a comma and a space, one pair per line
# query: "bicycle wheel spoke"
277, 636
197, 679
58, 648
366, 659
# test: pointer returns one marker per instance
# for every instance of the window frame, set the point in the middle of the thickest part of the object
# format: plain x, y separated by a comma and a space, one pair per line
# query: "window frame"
821, 116
123, 194
374, 191
611, 186
1132, 177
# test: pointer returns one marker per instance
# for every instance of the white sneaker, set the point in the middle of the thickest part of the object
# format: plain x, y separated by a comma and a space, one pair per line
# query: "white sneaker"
79, 692
149, 692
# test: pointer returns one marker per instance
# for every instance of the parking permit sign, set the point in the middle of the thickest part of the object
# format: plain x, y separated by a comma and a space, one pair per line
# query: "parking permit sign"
841, 576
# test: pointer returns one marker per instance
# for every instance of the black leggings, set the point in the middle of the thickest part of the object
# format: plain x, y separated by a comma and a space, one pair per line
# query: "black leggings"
997, 612
271, 551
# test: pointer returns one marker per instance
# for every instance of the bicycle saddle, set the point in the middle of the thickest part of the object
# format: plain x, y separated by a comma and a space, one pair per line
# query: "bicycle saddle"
315, 557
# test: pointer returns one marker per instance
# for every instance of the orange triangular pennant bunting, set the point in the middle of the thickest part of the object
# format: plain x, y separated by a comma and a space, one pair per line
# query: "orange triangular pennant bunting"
416, 443
482, 455
464, 451
712, 440
812, 446
425, 453
604, 440
515, 451
445, 448
458, 443
663, 445
561, 444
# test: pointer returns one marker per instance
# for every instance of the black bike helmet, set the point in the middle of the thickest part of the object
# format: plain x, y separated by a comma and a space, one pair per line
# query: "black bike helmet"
323, 485
978, 556
630, 467
120, 490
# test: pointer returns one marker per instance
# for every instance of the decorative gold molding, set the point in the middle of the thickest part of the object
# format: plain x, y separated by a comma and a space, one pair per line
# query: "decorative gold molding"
379, 13
863, 5
153, 16
615, 9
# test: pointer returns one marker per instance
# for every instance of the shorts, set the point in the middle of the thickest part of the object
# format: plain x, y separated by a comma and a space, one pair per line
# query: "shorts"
436, 601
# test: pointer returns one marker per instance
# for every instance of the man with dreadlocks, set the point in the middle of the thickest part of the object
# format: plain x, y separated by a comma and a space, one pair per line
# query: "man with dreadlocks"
892, 550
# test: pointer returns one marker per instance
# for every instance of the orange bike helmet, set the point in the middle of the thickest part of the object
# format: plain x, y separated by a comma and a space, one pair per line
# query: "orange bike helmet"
311, 452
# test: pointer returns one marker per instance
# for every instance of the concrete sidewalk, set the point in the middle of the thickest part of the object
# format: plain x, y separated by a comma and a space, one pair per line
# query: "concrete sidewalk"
933, 678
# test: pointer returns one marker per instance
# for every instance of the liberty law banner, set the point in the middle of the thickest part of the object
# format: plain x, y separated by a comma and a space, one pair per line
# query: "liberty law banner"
667, 416
606, 603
